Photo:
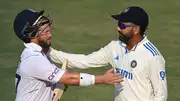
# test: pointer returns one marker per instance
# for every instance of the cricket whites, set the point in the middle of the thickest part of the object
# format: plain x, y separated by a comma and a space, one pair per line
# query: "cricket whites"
60, 88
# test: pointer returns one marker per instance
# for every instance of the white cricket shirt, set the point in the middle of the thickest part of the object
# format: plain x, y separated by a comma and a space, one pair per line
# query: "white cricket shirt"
35, 75
143, 69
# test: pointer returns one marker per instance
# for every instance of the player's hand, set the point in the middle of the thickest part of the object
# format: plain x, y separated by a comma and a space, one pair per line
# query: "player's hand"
112, 78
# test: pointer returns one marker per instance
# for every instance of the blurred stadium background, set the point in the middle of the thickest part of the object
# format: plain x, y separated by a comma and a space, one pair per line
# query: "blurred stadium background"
83, 26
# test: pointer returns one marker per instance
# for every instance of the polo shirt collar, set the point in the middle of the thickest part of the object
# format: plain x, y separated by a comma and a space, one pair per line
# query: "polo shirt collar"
33, 46
134, 48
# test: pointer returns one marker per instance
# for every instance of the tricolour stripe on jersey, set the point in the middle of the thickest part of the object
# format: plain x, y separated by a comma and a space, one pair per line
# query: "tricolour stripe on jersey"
151, 48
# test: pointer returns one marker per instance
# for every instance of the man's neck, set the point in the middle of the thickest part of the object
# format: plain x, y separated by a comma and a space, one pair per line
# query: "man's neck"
45, 50
134, 41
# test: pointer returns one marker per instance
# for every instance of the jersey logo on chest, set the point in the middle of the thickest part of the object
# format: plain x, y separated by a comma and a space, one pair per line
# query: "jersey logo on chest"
124, 73
133, 63
117, 57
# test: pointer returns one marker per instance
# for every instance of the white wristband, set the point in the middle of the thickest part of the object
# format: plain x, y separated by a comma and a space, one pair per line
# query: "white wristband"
86, 79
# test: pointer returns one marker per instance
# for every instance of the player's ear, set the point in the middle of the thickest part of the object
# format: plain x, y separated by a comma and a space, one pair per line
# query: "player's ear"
136, 29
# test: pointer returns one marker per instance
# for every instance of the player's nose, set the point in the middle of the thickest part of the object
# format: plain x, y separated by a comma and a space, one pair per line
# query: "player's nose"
118, 28
49, 34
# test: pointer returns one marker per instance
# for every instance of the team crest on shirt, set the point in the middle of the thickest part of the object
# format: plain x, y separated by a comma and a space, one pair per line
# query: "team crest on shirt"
162, 74
133, 63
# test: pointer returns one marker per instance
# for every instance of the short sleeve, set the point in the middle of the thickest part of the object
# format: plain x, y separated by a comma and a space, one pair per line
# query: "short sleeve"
41, 68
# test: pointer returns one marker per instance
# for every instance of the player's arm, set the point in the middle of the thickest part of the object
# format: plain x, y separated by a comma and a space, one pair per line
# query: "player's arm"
84, 79
158, 78
42, 69
96, 59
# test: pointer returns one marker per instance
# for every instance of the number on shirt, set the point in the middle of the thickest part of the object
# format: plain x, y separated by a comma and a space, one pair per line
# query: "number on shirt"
18, 78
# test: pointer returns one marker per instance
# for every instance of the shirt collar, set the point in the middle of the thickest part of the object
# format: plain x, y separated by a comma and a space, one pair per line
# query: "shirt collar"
134, 48
33, 46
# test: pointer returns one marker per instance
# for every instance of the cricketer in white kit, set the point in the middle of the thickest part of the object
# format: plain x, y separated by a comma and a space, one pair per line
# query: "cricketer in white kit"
143, 67
35, 75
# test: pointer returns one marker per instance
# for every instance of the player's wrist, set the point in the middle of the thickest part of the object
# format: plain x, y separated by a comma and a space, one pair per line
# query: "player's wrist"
100, 79
86, 79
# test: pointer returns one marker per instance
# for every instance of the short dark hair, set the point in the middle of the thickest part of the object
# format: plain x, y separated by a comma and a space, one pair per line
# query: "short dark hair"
142, 30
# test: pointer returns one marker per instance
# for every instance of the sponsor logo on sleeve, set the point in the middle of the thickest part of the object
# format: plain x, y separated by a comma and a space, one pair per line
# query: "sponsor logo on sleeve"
162, 74
53, 74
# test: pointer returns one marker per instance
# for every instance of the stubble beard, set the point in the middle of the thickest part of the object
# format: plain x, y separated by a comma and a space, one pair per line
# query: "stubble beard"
44, 43
125, 37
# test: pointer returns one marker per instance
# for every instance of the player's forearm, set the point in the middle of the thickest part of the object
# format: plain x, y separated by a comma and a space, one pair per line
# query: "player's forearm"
99, 79
70, 78
78, 79
81, 79
84, 79
81, 61
75, 60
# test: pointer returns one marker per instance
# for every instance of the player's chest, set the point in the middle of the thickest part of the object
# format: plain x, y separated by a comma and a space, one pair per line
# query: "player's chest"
129, 64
